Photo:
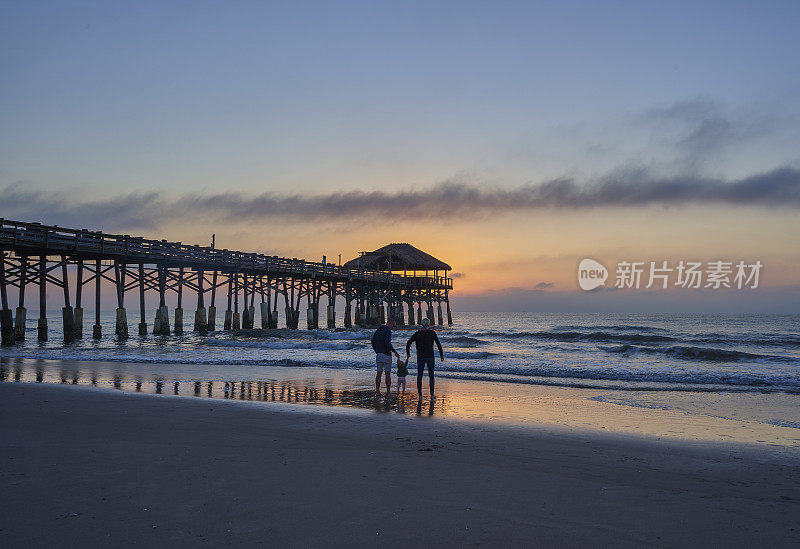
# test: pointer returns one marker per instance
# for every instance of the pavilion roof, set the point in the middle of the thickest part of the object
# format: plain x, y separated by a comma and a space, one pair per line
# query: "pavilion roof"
398, 257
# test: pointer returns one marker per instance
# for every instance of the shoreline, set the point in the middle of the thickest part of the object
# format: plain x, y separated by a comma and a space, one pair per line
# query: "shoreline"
768, 419
120, 469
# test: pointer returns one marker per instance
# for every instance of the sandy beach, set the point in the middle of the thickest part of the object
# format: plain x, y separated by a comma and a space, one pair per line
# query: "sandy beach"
86, 466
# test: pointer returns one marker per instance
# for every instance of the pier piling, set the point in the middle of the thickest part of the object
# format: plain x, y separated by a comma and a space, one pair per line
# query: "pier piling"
121, 326
212, 308
178, 329
77, 312
142, 320
97, 330
41, 327
20, 317
68, 323
6, 321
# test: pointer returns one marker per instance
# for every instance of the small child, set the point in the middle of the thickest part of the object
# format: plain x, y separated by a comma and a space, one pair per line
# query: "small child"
402, 372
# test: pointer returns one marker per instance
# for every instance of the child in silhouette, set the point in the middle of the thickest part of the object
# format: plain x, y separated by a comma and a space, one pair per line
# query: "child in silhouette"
402, 372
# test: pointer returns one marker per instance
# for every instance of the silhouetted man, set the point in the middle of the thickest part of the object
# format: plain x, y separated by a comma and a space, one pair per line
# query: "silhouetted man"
424, 338
382, 345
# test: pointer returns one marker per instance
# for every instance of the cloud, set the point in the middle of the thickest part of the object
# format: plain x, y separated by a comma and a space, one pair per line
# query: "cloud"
78, 210
779, 188
543, 285
457, 275
702, 128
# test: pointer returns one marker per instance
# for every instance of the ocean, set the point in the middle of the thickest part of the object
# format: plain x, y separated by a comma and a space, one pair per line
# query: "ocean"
624, 352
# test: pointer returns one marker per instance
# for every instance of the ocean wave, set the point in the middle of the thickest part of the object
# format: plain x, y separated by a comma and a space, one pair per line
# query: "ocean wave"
576, 336
615, 327
283, 344
708, 354
464, 341
475, 355
777, 340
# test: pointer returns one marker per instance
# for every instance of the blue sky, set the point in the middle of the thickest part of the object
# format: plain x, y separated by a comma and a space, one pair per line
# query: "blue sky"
307, 95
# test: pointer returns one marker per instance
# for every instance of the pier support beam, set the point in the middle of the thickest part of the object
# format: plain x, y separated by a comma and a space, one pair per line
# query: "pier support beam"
310, 318
348, 322
449, 315
68, 321
6, 327
122, 319
122, 322
19, 323
161, 325
289, 316
77, 311
212, 309
419, 313
97, 331
212, 319
178, 329
6, 320
21, 313
228, 320
266, 321
236, 324
200, 319
41, 327
77, 322
178, 321
142, 321
331, 317
229, 312
439, 314
411, 313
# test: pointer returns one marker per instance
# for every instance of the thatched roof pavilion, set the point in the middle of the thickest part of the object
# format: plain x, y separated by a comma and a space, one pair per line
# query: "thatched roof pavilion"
398, 257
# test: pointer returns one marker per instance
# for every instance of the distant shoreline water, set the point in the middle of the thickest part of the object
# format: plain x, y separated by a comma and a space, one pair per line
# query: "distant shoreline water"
741, 353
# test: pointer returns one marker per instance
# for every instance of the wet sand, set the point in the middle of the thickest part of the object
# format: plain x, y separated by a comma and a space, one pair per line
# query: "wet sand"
87, 466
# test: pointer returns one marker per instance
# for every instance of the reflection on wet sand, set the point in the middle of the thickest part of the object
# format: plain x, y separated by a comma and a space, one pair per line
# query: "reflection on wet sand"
289, 391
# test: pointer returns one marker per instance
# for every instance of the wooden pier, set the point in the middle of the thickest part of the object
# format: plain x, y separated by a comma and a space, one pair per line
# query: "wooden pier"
75, 260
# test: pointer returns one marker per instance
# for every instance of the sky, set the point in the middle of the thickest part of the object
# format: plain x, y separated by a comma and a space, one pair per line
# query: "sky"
509, 139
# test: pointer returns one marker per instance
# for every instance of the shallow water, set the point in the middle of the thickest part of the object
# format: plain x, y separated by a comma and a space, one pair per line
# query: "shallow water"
743, 353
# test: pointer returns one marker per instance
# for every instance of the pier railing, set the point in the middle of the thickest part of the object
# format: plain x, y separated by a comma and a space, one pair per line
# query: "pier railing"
36, 238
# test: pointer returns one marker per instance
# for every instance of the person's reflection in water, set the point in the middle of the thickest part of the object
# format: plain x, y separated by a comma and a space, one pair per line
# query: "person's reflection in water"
419, 407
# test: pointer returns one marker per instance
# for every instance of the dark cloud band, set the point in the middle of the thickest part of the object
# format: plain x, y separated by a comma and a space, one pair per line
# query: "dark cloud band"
778, 188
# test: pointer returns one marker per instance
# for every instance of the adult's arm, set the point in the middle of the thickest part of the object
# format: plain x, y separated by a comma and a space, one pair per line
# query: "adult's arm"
387, 339
408, 343
438, 344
